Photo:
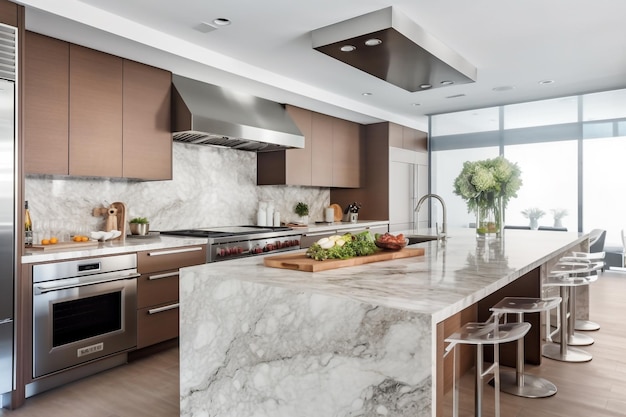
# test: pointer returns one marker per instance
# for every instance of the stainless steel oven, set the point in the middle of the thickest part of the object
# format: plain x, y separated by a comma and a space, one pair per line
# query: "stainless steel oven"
83, 310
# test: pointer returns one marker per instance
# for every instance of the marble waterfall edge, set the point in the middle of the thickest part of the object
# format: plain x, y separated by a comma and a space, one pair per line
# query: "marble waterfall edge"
258, 350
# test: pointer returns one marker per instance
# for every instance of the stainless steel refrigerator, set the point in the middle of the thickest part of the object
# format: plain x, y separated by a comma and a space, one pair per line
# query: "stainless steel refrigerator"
8, 227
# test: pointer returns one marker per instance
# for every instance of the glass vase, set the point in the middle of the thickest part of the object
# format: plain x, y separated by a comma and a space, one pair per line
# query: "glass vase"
489, 220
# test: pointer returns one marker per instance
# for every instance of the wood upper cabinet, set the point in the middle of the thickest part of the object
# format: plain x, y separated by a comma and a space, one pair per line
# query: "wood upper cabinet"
46, 105
88, 113
147, 137
9, 13
95, 113
321, 150
331, 156
407, 138
298, 168
346, 154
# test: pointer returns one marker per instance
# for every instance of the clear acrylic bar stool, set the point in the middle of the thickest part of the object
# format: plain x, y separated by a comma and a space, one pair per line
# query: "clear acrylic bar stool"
518, 383
585, 325
480, 334
567, 276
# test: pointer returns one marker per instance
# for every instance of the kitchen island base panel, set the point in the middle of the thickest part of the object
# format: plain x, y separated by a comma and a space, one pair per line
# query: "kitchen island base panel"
281, 352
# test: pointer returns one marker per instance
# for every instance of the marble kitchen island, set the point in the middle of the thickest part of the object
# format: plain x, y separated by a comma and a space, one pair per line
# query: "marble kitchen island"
357, 341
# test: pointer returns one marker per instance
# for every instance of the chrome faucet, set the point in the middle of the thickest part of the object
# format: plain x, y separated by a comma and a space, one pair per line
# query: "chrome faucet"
444, 225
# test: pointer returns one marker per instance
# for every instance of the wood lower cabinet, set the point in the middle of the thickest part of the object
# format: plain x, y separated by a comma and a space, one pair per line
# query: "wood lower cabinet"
331, 158
95, 113
157, 291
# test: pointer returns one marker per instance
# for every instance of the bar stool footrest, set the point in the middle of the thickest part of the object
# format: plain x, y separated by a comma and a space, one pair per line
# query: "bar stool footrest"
586, 326
534, 386
553, 351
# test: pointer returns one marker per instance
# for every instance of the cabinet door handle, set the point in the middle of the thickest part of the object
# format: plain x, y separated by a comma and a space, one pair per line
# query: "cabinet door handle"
164, 308
174, 251
159, 276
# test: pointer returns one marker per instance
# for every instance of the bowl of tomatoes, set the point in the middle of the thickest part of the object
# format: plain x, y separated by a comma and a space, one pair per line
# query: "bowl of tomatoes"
391, 242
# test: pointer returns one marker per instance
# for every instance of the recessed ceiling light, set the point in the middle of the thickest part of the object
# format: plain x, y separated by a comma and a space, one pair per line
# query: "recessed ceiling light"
220, 21
447, 82
425, 86
416, 104
348, 48
544, 82
373, 42
366, 94
503, 88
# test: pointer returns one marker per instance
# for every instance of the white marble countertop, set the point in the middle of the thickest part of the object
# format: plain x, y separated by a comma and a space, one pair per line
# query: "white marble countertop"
127, 245
453, 274
322, 227
134, 244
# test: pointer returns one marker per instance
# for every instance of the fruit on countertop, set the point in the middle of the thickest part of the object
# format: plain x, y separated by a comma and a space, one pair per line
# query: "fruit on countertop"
390, 241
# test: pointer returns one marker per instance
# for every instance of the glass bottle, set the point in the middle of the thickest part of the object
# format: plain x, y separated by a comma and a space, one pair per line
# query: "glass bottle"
28, 227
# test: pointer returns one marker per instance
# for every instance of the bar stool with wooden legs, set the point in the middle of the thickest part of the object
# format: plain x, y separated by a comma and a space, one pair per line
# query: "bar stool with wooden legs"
489, 333
567, 276
518, 383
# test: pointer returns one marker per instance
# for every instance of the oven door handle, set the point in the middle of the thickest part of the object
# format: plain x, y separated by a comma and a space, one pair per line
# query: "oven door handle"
164, 308
42, 289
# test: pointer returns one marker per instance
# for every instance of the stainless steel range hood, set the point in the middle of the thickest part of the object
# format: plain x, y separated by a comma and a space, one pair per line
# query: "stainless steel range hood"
205, 114
388, 45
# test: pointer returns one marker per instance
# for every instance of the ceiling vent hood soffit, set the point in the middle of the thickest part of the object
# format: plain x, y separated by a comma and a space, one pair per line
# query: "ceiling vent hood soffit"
407, 57
205, 114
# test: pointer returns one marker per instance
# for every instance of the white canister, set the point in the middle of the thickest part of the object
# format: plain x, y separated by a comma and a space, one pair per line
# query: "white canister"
261, 215
329, 215
269, 219
276, 218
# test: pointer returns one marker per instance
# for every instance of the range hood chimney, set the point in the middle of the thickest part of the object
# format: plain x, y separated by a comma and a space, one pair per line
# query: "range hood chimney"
388, 45
205, 114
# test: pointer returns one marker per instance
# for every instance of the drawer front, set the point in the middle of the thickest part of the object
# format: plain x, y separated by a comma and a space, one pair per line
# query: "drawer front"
157, 288
167, 259
156, 324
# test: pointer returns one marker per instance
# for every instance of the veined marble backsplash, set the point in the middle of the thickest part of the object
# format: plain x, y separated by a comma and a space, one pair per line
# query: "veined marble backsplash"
210, 187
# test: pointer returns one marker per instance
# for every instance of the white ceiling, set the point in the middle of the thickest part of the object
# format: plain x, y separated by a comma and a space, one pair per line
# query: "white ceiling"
266, 51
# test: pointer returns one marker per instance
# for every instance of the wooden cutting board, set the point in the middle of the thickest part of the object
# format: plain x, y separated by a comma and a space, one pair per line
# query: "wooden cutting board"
66, 246
300, 262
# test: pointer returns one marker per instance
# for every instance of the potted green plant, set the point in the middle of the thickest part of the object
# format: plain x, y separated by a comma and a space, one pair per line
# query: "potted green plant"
533, 214
302, 210
139, 226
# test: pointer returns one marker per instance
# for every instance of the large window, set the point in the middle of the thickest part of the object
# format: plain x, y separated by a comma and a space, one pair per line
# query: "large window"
446, 166
550, 176
604, 188
571, 151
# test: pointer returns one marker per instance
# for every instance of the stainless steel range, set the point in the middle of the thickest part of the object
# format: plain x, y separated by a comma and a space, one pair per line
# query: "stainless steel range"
240, 241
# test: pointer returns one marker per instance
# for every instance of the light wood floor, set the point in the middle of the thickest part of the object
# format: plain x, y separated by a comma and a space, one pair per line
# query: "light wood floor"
149, 386
591, 389
144, 387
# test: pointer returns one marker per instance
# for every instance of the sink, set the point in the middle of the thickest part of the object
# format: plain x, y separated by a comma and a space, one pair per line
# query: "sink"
420, 238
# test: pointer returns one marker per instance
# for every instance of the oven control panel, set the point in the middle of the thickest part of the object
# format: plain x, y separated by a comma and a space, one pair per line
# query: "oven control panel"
232, 250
